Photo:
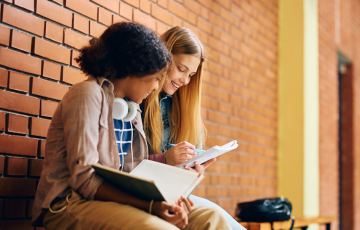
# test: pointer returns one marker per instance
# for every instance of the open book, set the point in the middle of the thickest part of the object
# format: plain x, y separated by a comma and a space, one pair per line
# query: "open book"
151, 180
210, 153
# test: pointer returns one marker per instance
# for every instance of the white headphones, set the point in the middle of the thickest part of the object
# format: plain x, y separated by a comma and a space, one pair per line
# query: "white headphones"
124, 110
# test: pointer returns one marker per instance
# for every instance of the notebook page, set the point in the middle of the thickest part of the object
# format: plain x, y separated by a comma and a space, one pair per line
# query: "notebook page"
211, 153
171, 181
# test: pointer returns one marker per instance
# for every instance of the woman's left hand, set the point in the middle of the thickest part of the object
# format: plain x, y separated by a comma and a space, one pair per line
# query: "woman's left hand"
200, 168
187, 204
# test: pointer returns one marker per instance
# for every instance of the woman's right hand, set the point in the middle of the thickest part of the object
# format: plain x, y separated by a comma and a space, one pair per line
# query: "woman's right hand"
179, 153
172, 213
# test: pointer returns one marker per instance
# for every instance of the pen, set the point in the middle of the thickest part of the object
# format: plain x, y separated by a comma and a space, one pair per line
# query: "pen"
196, 150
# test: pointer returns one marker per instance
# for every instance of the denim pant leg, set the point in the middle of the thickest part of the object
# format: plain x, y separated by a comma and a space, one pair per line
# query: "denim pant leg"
201, 201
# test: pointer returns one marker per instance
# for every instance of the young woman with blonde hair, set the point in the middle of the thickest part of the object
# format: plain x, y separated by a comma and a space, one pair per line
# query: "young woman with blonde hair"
172, 113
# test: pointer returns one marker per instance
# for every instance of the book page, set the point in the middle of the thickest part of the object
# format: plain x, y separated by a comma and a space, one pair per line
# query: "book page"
211, 153
171, 181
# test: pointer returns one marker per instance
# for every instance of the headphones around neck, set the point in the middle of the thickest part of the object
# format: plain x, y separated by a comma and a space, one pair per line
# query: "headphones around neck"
124, 110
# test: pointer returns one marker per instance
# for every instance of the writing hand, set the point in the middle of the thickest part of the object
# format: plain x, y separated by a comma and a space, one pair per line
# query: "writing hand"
179, 153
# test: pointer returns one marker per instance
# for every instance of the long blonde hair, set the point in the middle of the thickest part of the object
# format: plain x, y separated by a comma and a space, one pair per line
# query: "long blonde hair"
184, 118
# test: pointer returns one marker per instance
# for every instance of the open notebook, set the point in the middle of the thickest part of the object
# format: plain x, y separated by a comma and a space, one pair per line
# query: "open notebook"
210, 153
152, 180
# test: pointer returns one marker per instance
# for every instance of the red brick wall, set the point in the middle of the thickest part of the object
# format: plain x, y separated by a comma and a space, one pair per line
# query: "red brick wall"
40, 38
345, 39
329, 103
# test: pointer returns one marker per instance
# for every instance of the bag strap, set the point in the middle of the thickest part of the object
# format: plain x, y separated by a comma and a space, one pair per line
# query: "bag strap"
291, 227
292, 223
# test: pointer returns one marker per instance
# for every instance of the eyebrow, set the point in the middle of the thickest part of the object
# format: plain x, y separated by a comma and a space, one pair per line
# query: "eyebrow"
184, 65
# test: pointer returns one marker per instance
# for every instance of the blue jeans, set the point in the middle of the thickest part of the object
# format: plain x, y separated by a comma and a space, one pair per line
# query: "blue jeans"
201, 201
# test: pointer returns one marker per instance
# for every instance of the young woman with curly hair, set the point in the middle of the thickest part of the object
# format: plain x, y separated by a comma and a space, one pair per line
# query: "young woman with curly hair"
126, 62
172, 113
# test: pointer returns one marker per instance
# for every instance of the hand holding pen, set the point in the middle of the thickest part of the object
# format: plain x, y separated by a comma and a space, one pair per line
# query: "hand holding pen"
198, 151
179, 153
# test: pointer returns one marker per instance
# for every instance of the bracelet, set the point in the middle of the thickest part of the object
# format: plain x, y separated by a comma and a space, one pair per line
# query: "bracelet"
150, 207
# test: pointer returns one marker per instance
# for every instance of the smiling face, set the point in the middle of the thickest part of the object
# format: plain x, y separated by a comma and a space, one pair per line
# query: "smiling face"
183, 68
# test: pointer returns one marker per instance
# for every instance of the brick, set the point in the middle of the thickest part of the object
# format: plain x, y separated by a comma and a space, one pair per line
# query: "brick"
75, 40
204, 25
126, 11
193, 6
145, 6
16, 166
2, 121
225, 3
177, 22
16, 224
2, 170
20, 103
30, 204
54, 32
14, 208
52, 51
161, 14
18, 81
192, 18
81, 24
161, 27
144, 19
112, 5
178, 10
74, 54
18, 145
83, 7
48, 108
116, 19
15, 187
5, 35
96, 29
4, 77
42, 148
134, 3
39, 126
60, 2
19, 61
23, 20
17, 124
72, 76
163, 3
35, 167
26, 4
48, 89
21, 41
51, 70
104, 17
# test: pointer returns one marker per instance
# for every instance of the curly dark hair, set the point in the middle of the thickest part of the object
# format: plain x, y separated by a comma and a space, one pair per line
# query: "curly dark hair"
124, 49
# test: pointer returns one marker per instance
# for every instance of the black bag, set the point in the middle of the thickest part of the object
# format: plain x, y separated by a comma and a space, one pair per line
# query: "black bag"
265, 210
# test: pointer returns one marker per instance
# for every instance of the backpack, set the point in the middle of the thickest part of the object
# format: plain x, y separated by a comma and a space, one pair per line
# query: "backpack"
265, 210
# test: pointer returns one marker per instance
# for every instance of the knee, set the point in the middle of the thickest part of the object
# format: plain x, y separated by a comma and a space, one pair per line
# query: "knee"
209, 212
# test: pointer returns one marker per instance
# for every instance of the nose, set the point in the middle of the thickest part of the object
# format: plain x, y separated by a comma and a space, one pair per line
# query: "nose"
185, 80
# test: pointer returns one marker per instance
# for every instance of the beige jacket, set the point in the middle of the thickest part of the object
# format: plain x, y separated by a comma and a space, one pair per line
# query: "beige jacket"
81, 133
